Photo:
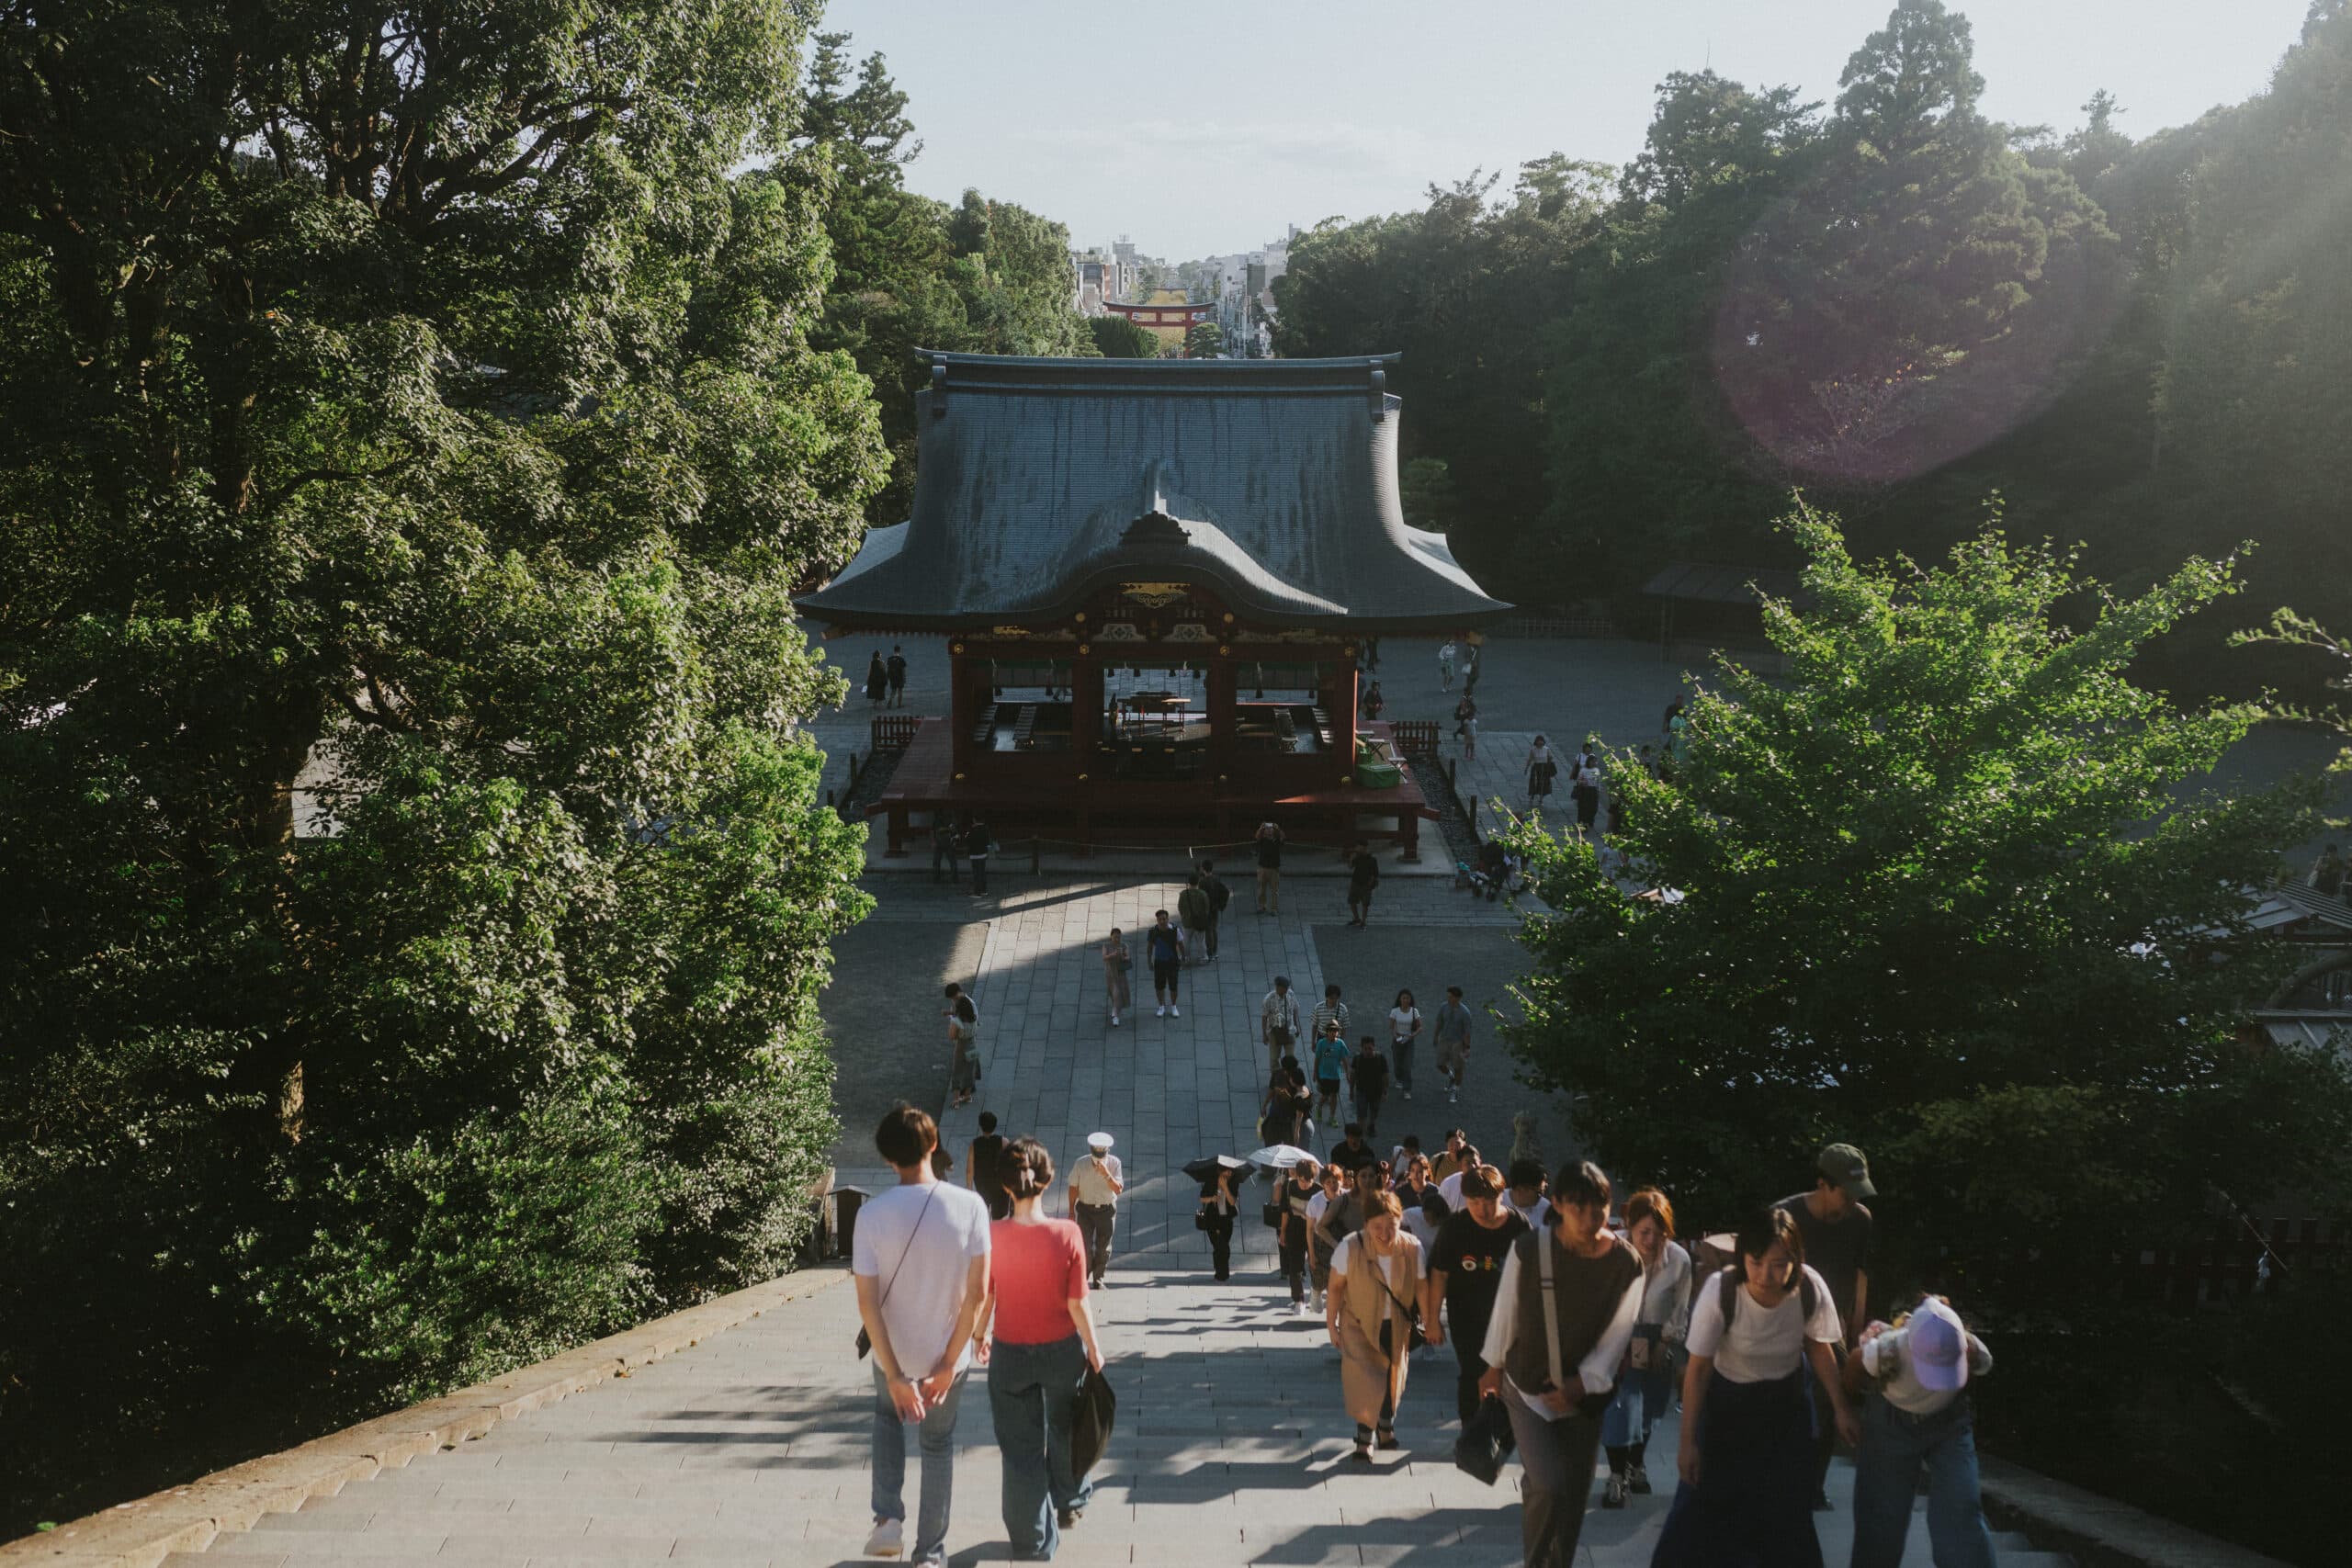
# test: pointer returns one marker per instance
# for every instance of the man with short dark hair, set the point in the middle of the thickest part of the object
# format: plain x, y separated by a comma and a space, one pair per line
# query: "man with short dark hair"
1219, 896
1451, 1036
1199, 917
1368, 1081
1524, 1191
1163, 945
1331, 1058
921, 1258
1352, 1151
1836, 1226
984, 1170
897, 672
1270, 868
1278, 1022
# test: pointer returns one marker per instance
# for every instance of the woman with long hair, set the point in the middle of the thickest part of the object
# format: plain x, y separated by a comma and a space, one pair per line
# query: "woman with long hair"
1645, 1381
1219, 1204
1540, 771
1041, 1336
1746, 1445
1403, 1034
1376, 1283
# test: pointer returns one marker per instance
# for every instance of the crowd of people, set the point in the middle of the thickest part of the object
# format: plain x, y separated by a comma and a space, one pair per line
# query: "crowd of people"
1576, 1322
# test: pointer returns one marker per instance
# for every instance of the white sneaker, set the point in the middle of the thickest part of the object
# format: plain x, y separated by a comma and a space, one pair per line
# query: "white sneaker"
1164, 1010
1409, 1094
888, 1539
1114, 1020
1175, 1011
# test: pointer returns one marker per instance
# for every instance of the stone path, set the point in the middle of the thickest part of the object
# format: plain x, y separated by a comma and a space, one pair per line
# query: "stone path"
1231, 1448
751, 1449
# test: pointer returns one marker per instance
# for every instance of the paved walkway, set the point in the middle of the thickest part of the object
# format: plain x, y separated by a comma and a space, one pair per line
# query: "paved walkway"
1231, 1447
751, 1449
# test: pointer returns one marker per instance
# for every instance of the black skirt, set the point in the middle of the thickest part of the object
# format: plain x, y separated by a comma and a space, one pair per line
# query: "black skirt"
1753, 1504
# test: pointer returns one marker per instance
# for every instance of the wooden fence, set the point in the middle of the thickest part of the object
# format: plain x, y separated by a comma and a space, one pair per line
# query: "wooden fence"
895, 731
1415, 737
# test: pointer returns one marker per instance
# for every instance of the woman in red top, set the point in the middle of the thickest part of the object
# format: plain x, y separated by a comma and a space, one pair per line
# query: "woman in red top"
1041, 1341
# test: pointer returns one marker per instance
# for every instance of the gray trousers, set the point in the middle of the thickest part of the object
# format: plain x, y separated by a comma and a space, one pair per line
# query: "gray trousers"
1555, 1461
1095, 1222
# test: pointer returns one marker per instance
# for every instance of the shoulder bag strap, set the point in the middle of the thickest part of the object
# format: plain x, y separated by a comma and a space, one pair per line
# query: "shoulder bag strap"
1551, 1309
901, 1263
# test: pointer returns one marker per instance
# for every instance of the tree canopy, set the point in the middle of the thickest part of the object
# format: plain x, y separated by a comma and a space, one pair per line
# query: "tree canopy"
419, 397
1953, 890
1898, 303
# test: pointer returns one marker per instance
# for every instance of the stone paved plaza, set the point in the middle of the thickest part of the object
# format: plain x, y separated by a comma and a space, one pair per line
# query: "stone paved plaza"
1231, 1446
751, 1449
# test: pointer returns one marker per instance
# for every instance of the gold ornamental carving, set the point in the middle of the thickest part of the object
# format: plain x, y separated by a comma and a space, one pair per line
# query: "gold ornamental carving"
1155, 595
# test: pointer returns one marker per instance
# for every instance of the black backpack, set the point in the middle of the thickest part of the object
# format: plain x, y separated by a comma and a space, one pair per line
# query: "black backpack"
1219, 894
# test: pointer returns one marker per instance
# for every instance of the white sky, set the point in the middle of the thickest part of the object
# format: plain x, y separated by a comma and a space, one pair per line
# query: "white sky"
1204, 128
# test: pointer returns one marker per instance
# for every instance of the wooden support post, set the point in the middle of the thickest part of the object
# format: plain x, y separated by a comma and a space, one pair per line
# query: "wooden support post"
896, 847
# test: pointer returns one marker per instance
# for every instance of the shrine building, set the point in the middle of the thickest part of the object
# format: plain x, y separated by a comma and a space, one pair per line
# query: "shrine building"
1153, 575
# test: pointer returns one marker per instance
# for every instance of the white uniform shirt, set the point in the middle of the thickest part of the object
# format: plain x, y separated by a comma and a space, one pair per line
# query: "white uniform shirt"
1087, 1183
1764, 1342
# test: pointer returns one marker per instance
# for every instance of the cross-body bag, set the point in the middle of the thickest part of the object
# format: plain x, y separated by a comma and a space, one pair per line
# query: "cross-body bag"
1588, 1405
865, 1340
1412, 1311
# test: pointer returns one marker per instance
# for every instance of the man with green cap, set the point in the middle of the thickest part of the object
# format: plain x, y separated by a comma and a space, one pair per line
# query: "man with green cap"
1837, 1230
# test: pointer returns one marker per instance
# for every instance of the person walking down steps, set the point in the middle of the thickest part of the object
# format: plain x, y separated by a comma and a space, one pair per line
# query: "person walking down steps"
1094, 1188
1117, 960
1163, 944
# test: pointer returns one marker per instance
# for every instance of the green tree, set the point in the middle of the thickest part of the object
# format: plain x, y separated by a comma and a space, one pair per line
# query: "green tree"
1206, 341
1952, 891
417, 394
1115, 337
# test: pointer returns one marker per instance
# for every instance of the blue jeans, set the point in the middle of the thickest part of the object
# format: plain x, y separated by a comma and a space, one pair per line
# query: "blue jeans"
1033, 1394
936, 1434
1886, 1476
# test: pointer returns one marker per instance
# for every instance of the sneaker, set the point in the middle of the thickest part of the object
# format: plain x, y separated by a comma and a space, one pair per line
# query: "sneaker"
888, 1539
1114, 1020
1637, 1481
1408, 1096
1453, 1095
1175, 1011
1163, 1009
1300, 1309
1614, 1494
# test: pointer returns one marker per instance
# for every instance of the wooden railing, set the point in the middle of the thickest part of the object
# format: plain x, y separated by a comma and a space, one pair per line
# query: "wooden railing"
1415, 737
895, 731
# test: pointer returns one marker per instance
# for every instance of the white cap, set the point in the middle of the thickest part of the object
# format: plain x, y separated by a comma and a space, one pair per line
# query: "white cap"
1098, 1140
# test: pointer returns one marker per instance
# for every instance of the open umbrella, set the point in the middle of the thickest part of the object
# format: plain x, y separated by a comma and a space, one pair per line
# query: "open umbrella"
1205, 1169
1278, 1156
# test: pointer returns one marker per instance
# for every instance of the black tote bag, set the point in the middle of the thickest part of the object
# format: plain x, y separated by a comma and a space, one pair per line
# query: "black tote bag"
1090, 1427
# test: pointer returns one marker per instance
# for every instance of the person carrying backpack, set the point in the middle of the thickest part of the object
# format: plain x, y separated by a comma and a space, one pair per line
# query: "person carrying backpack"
1746, 1454
1198, 913
1219, 896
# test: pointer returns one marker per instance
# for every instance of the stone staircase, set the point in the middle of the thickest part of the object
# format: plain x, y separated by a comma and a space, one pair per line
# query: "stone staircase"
750, 1448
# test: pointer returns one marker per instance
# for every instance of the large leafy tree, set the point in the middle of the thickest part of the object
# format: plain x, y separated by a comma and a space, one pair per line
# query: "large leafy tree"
1458, 288
1952, 891
412, 393
983, 276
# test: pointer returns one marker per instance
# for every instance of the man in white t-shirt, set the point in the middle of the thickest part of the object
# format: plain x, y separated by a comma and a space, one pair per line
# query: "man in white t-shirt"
920, 1257
1525, 1196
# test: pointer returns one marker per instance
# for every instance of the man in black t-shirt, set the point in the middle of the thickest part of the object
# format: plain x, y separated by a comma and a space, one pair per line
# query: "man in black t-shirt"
1837, 1232
1269, 869
984, 1167
1368, 1078
1464, 1270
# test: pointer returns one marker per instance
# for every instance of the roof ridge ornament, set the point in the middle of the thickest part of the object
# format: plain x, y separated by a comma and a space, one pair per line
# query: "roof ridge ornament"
939, 386
1156, 528
1379, 392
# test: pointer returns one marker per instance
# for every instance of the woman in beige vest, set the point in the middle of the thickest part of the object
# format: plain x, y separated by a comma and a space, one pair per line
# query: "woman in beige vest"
1375, 1275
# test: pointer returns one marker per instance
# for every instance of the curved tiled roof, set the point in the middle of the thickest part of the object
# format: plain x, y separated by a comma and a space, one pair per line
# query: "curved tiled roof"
1272, 483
